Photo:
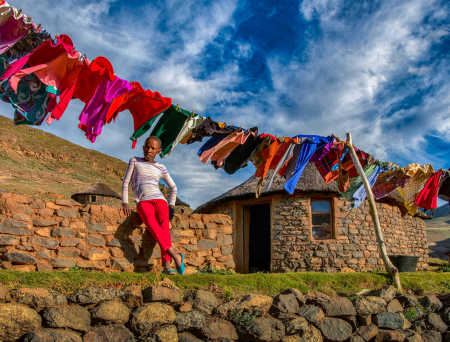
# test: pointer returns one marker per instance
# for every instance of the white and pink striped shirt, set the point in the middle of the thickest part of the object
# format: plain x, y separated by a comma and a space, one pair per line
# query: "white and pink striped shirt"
145, 178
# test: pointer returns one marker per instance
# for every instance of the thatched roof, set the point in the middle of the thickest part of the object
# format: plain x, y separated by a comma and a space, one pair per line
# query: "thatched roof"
99, 189
310, 181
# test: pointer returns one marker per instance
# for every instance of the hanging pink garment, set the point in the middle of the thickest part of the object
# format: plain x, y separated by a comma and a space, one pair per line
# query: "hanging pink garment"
92, 118
13, 26
427, 198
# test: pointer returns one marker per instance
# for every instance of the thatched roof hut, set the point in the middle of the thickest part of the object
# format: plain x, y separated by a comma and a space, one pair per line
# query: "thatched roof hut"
444, 190
98, 189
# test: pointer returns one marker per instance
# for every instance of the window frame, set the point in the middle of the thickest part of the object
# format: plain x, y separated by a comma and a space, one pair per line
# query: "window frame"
93, 198
331, 201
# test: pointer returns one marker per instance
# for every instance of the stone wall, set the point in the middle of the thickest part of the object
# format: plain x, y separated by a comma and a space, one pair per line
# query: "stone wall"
355, 247
164, 313
44, 235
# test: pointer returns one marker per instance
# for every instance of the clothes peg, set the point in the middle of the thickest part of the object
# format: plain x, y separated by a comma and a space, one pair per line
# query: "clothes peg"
178, 107
19, 12
38, 27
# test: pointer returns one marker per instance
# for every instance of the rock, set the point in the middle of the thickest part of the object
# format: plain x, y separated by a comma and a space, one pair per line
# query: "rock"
298, 295
17, 320
38, 298
312, 313
370, 305
162, 294
367, 332
258, 304
337, 306
52, 335
185, 307
20, 258
14, 228
312, 334
202, 300
4, 294
93, 295
63, 262
356, 338
297, 325
335, 329
132, 296
394, 306
45, 242
109, 333
386, 292
44, 222
432, 303
436, 322
63, 232
190, 320
167, 333
391, 320
364, 319
264, 329
285, 303
219, 329
149, 315
408, 300
412, 336
390, 335
8, 240
67, 316
432, 336
207, 244
188, 337
111, 311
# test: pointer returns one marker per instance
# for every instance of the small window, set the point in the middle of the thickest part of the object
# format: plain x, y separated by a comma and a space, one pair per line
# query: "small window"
321, 219
93, 198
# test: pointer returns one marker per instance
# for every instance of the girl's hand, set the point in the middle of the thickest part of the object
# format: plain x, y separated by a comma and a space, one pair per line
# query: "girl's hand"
126, 209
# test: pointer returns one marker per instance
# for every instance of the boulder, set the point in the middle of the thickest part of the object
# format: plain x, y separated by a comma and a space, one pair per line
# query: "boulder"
162, 294
113, 311
263, 329
52, 335
298, 295
132, 296
367, 332
312, 313
285, 303
93, 295
20, 258
390, 335
193, 320
388, 293
255, 303
408, 300
394, 306
432, 303
167, 333
356, 338
38, 298
432, 336
109, 333
219, 329
391, 320
188, 337
149, 315
4, 294
436, 322
412, 336
202, 300
337, 306
16, 320
67, 316
296, 325
335, 329
370, 305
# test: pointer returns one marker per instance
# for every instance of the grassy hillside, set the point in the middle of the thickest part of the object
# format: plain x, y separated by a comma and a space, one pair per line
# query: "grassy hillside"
37, 163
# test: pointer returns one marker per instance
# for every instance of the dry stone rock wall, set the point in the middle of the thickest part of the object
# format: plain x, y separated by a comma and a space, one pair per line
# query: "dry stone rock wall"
164, 313
45, 235
354, 247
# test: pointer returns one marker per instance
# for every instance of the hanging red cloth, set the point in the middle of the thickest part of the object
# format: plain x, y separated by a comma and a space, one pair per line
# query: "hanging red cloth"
427, 198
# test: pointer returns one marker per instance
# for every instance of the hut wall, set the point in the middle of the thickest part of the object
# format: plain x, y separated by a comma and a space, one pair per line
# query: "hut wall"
354, 247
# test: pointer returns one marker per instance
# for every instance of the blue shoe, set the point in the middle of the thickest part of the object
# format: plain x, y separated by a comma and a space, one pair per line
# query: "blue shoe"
180, 269
169, 272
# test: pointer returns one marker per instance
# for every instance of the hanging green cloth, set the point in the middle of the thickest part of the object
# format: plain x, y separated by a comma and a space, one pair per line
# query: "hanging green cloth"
169, 126
356, 182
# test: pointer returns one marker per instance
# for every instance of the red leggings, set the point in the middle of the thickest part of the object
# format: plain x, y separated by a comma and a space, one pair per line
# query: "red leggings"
155, 214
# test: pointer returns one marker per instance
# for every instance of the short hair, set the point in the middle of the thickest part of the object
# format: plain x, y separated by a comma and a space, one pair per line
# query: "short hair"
153, 137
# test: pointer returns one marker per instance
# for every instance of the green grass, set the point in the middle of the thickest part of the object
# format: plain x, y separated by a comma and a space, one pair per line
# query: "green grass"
230, 285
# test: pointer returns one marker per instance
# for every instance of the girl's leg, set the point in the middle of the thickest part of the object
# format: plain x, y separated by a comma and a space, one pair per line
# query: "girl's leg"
148, 211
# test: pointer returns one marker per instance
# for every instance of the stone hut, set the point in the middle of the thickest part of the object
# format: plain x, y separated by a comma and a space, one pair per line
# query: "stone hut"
99, 193
313, 229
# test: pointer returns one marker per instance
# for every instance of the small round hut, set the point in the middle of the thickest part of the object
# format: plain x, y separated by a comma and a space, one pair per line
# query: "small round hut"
313, 229
99, 193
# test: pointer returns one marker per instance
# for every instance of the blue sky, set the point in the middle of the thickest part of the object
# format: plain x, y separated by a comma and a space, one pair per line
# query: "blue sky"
379, 69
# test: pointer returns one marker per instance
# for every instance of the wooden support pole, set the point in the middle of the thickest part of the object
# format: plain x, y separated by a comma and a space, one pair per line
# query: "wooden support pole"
391, 269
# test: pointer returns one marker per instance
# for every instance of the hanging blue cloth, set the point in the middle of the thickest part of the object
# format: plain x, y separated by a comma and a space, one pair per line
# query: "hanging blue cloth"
360, 195
309, 147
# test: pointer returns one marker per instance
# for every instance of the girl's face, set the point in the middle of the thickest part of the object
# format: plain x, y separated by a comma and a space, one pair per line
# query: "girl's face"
151, 149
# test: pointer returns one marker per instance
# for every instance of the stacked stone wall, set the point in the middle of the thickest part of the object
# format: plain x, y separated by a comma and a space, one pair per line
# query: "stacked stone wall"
355, 244
43, 235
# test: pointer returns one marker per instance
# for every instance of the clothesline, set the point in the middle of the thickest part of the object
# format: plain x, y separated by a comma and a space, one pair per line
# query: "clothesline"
39, 76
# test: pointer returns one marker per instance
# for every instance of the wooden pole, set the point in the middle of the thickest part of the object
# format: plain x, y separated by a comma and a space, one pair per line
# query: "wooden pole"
392, 270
